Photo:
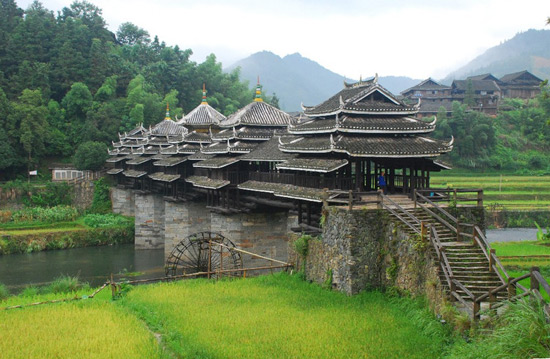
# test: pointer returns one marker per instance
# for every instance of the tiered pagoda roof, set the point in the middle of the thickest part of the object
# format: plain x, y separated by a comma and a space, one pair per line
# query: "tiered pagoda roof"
242, 131
364, 98
363, 120
203, 115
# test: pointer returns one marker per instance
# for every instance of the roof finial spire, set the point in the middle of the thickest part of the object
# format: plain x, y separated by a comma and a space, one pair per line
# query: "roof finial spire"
167, 112
204, 94
258, 97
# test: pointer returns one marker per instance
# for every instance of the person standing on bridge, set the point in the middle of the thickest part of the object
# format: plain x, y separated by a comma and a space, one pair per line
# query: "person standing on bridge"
382, 182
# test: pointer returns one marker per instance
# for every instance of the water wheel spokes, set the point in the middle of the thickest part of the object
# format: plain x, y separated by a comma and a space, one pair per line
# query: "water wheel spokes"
199, 253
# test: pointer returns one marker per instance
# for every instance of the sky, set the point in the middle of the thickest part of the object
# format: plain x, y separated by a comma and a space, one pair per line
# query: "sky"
419, 39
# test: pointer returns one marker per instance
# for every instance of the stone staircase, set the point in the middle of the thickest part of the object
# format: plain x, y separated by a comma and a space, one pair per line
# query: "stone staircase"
468, 264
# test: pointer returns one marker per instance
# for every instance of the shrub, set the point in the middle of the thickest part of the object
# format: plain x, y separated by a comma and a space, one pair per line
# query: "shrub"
39, 214
30, 291
65, 284
520, 332
4, 292
54, 194
106, 220
90, 155
541, 236
301, 245
101, 202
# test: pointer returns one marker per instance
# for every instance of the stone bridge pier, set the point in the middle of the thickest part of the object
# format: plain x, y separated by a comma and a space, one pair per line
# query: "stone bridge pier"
160, 223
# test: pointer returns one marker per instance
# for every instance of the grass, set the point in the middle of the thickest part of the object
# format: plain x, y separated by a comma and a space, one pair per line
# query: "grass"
277, 316
521, 256
520, 332
280, 317
524, 248
90, 329
512, 191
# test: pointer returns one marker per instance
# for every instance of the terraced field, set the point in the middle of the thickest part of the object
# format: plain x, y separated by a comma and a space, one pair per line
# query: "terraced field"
512, 192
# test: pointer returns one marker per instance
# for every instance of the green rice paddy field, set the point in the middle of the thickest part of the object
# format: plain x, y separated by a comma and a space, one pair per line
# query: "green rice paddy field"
519, 257
513, 192
276, 316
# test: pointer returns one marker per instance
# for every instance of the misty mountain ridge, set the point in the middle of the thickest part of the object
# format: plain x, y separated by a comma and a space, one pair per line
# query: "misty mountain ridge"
296, 79
529, 50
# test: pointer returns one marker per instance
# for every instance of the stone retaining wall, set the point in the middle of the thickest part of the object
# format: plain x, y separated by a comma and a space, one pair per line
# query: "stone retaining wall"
362, 249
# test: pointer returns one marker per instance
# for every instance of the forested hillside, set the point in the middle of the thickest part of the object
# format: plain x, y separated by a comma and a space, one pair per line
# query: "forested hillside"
65, 79
527, 50
516, 140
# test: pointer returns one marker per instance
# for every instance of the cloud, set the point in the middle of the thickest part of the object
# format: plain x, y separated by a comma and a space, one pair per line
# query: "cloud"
417, 39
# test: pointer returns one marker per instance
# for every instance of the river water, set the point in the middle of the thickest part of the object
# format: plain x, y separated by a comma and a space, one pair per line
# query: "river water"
91, 264
95, 264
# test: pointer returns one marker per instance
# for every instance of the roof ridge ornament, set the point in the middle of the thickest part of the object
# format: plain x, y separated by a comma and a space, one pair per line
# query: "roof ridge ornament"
451, 141
417, 106
337, 126
342, 103
258, 97
204, 102
332, 143
375, 80
433, 122
280, 142
167, 117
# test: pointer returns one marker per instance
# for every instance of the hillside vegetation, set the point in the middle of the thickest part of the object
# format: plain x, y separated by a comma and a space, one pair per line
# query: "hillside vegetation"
517, 140
65, 81
527, 50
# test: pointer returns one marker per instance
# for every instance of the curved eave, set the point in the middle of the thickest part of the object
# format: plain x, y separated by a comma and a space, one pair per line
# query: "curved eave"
374, 155
282, 166
363, 112
352, 130
251, 124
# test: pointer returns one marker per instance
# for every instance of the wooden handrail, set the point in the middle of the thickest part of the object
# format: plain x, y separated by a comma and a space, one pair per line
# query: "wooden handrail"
444, 212
441, 220
386, 198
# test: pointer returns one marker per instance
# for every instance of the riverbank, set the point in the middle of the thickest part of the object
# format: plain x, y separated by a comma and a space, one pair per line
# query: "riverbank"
61, 227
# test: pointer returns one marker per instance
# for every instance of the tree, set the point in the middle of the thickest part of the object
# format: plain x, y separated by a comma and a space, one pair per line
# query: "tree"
544, 98
90, 156
130, 34
77, 102
7, 153
32, 113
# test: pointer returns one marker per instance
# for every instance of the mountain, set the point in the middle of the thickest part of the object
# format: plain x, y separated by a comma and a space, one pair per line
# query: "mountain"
296, 79
529, 50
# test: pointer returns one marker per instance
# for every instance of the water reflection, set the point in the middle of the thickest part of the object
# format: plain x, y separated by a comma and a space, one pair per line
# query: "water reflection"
92, 264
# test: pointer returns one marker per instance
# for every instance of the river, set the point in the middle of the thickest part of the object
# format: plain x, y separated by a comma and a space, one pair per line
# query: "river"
91, 264
95, 264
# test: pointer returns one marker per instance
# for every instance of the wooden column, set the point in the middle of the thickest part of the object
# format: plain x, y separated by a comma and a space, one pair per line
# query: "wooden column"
428, 179
358, 184
392, 179
405, 181
369, 184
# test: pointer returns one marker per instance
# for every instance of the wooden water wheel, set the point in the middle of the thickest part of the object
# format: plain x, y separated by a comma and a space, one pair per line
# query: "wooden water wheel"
204, 252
